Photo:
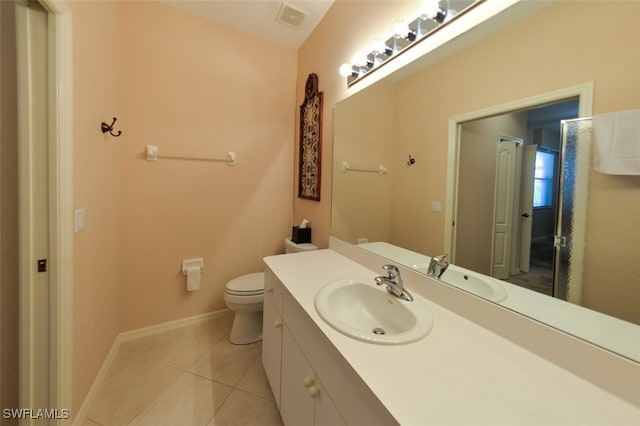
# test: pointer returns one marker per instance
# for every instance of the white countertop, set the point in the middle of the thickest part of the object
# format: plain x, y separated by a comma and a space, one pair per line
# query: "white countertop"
460, 373
616, 335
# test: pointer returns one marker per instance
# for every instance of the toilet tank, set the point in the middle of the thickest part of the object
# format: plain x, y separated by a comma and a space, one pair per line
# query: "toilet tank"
291, 247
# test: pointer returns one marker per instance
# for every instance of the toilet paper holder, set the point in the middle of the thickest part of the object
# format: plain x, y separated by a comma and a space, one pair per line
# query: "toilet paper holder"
190, 264
192, 268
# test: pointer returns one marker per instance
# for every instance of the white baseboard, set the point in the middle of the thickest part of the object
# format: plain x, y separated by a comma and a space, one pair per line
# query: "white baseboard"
133, 334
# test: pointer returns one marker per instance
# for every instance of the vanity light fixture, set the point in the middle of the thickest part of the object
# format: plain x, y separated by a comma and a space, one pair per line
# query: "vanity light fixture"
432, 15
402, 30
431, 9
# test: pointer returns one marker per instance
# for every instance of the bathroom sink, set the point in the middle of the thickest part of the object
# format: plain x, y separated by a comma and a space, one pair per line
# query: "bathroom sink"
478, 284
360, 309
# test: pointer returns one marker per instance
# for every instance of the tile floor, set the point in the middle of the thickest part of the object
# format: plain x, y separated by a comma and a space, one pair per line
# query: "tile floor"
187, 376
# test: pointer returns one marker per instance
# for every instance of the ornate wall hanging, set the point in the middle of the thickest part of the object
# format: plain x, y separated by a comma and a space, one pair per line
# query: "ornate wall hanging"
310, 141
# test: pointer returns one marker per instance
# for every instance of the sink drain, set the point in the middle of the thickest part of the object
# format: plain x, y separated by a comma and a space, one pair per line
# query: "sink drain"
378, 330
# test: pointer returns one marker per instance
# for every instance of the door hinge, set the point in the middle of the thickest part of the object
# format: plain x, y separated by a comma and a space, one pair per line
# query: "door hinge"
559, 241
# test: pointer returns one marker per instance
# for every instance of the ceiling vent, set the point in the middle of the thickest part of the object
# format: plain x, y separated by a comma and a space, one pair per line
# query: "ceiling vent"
290, 15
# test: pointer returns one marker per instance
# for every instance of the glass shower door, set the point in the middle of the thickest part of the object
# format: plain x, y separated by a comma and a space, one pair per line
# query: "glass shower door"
569, 240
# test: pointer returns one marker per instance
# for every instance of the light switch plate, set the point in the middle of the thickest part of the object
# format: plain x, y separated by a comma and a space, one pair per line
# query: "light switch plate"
436, 206
79, 220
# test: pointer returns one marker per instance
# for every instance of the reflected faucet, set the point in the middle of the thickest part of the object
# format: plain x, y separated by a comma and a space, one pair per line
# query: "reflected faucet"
437, 266
394, 283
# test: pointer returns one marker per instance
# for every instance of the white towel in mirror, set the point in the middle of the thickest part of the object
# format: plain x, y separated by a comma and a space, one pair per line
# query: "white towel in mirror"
617, 142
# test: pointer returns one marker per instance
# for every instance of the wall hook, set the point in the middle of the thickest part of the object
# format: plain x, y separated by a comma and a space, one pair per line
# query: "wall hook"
109, 128
411, 161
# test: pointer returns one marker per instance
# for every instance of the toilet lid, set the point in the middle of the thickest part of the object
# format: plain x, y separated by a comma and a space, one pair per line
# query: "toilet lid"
247, 285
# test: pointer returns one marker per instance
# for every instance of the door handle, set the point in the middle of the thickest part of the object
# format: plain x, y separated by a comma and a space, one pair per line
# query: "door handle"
525, 215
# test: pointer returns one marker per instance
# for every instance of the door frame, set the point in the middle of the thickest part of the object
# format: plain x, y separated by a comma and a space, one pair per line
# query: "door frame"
584, 92
60, 215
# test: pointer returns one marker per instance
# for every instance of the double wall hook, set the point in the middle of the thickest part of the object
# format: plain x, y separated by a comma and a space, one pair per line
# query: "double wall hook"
411, 161
109, 128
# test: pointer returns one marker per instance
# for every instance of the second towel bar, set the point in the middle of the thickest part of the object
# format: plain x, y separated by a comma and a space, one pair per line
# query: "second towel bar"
381, 170
153, 155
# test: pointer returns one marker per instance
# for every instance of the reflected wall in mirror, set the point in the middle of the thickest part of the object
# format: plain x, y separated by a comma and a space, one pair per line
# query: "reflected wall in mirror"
390, 120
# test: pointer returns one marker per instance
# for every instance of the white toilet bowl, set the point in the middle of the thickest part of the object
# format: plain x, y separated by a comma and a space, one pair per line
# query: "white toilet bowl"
245, 296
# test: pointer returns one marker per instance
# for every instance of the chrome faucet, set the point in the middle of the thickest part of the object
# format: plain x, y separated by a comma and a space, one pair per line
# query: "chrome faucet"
437, 266
394, 283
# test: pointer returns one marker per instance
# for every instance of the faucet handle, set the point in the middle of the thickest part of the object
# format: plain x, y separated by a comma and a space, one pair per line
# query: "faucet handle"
392, 270
440, 258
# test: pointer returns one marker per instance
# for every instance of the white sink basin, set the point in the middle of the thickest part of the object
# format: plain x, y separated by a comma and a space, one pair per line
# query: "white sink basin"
360, 309
480, 285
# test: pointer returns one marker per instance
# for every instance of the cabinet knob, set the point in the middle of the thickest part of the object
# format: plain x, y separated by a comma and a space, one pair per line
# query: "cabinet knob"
268, 290
309, 381
277, 324
314, 391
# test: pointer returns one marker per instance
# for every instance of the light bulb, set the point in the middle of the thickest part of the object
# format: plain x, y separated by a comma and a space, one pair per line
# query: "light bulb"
360, 58
429, 9
345, 70
378, 46
400, 29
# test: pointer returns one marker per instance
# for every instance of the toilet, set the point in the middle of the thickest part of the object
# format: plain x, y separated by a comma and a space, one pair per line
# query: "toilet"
244, 295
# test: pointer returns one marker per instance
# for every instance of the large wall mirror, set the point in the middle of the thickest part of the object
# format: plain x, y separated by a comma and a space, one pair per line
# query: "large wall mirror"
497, 132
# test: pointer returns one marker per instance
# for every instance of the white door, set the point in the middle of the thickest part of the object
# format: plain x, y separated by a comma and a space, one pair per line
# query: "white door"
33, 182
526, 206
503, 209
45, 184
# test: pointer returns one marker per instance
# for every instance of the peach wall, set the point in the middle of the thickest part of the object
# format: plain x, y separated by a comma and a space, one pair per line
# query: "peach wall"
97, 98
613, 239
364, 133
186, 85
8, 211
190, 86
348, 26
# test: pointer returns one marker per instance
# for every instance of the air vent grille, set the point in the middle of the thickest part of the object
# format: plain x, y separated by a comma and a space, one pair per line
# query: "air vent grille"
290, 15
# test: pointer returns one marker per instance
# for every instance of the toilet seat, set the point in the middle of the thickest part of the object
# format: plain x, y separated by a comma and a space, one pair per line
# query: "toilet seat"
246, 285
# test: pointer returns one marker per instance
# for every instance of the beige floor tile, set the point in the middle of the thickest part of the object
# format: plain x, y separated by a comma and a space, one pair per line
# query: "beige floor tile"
255, 380
242, 408
227, 363
147, 384
190, 400
89, 422
129, 387
182, 347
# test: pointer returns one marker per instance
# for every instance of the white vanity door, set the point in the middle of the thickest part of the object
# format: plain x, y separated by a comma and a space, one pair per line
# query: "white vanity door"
326, 412
297, 406
304, 400
272, 345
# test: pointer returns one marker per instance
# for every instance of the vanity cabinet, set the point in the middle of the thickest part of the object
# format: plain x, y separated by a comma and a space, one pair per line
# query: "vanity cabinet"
272, 333
304, 399
311, 381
